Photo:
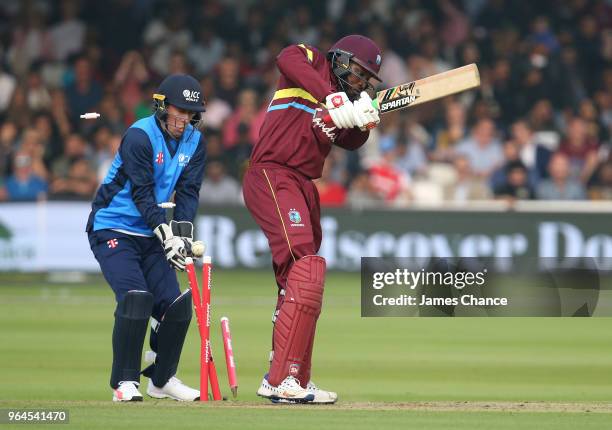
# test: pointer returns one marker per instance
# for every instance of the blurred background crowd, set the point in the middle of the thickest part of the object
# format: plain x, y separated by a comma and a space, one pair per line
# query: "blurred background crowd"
538, 128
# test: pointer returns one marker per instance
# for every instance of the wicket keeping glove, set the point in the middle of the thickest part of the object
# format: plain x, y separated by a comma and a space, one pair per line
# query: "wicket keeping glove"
184, 230
341, 110
174, 247
366, 115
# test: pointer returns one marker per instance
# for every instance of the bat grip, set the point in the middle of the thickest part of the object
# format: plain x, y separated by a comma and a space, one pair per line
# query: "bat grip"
327, 119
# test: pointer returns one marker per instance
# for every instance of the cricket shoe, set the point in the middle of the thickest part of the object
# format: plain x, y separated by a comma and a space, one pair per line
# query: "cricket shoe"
174, 389
127, 391
321, 397
288, 391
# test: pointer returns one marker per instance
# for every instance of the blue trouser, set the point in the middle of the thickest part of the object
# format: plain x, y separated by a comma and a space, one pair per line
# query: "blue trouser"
135, 263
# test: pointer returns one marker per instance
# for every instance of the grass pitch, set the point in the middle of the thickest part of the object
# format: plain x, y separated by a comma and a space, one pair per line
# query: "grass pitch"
426, 373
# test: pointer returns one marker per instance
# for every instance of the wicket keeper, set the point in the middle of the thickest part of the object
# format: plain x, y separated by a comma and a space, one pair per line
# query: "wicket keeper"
137, 250
278, 190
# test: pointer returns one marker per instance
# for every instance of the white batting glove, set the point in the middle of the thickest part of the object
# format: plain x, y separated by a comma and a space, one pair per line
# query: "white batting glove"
341, 110
366, 115
174, 247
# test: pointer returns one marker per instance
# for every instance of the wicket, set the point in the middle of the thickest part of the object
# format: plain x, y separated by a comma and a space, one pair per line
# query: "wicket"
229, 356
202, 310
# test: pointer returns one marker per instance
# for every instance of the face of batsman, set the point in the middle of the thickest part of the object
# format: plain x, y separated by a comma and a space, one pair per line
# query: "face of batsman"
359, 79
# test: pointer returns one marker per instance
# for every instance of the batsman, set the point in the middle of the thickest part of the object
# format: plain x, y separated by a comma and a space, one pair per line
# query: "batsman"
321, 100
138, 251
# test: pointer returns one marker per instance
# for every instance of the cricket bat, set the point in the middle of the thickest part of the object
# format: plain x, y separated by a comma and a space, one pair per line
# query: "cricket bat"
426, 89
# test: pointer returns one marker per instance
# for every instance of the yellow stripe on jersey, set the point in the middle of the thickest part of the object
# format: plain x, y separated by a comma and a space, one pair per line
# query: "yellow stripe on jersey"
308, 51
294, 92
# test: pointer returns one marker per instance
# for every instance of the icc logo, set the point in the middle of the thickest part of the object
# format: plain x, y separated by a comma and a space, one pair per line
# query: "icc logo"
192, 96
183, 160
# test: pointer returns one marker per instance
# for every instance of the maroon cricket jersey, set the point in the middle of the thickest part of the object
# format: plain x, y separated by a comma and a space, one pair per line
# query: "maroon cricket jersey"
287, 137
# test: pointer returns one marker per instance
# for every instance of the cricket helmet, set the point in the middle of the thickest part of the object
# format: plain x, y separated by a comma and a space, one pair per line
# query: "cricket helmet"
360, 49
182, 91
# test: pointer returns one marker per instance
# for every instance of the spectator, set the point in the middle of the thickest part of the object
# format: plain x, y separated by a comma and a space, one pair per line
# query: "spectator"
391, 184
30, 39
302, 30
238, 155
166, 34
8, 83
468, 186
79, 183
516, 186
84, 93
32, 145
60, 112
218, 188
452, 132
8, 143
67, 36
227, 80
601, 189
331, 193
361, 194
207, 51
75, 149
560, 185
411, 157
44, 126
533, 155
106, 154
131, 75
24, 184
217, 109
248, 114
511, 155
18, 111
580, 149
100, 137
541, 120
482, 149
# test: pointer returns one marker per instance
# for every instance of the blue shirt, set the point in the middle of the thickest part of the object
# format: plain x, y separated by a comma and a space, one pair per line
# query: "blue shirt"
25, 191
148, 168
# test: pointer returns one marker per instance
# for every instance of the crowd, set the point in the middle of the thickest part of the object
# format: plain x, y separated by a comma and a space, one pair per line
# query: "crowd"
538, 128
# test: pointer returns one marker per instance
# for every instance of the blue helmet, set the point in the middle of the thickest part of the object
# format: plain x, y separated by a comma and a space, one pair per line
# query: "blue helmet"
182, 91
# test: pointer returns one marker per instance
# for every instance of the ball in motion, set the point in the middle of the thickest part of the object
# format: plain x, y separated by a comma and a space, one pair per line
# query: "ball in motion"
197, 248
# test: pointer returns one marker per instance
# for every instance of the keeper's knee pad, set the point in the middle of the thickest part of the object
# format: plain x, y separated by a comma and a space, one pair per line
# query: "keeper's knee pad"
131, 318
167, 338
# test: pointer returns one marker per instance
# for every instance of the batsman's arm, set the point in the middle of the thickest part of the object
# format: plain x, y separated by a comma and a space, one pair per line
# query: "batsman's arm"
187, 189
295, 62
137, 155
352, 138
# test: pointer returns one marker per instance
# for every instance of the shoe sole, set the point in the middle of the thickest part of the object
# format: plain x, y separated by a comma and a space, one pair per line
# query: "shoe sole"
133, 399
275, 399
311, 402
165, 396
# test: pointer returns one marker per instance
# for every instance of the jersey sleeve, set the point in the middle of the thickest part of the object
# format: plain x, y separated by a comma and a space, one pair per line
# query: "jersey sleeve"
137, 155
352, 138
187, 190
296, 63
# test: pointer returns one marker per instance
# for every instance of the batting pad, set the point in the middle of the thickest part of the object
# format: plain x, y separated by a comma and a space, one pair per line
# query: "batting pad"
295, 326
